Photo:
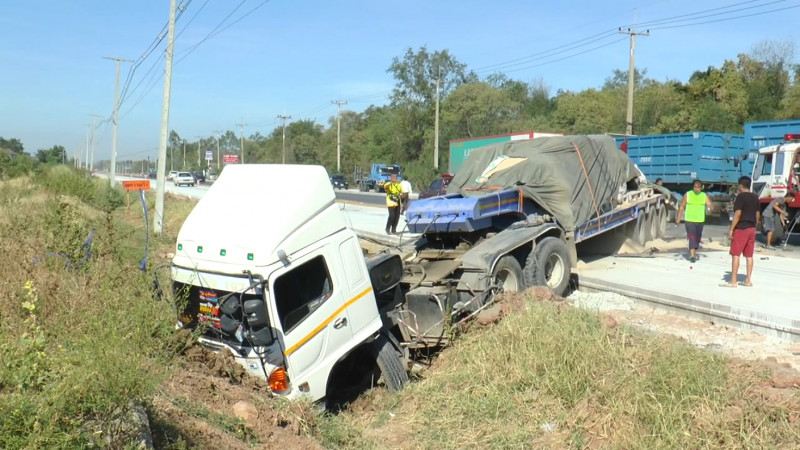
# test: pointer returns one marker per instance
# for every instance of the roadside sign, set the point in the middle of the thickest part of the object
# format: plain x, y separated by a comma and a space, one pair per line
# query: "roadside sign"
230, 159
209, 155
136, 185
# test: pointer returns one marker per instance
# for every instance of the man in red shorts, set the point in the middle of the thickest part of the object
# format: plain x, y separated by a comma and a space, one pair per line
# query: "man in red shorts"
747, 213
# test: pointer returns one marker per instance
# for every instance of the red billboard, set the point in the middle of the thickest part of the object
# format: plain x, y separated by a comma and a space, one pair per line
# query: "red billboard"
230, 159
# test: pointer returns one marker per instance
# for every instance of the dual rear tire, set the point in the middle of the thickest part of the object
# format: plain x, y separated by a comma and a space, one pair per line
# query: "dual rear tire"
548, 265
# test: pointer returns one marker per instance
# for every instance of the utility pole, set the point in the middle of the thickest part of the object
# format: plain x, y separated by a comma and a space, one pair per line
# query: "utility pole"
631, 81
94, 133
436, 129
338, 104
184, 154
158, 217
241, 140
114, 120
86, 158
216, 133
199, 161
283, 118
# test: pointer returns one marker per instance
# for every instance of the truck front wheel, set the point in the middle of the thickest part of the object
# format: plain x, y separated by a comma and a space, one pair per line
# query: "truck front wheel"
507, 275
548, 265
390, 365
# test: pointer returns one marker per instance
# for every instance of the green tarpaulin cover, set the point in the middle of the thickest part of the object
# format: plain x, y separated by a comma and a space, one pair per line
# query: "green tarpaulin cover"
570, 177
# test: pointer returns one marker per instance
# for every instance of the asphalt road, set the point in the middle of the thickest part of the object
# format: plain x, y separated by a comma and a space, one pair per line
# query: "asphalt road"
716, 230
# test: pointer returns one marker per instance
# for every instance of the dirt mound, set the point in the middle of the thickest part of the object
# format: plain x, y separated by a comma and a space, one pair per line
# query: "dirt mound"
210, 402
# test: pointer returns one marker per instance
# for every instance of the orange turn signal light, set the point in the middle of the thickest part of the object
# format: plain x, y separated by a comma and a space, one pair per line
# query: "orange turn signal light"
278, 381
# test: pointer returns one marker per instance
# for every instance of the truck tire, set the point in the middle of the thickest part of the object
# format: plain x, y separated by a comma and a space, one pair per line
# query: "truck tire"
390, 365
638, 230
661, 223
508, 275
651, 223
548, 265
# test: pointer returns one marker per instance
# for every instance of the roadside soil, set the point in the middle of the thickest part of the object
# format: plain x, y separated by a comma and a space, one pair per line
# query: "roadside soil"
210, 402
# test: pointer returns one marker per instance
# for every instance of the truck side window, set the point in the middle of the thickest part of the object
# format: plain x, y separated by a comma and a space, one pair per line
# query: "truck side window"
301, 291
767, 168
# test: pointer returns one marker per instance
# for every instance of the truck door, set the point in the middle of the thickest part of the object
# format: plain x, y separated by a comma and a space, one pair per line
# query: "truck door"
309, 302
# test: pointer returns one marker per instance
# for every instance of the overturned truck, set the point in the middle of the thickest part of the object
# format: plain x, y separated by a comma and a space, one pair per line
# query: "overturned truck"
284, 286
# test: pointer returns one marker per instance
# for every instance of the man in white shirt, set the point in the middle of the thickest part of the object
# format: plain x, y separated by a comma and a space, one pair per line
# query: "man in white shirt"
406, 194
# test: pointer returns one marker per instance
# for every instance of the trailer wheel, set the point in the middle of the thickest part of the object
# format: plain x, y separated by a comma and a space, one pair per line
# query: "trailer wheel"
548, 265
638, 232
507, 275
389, 362
651, 223
661, 223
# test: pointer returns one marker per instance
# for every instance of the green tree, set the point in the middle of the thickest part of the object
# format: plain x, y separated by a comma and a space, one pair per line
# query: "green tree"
12, 145
477, 109
414, 95
57, 154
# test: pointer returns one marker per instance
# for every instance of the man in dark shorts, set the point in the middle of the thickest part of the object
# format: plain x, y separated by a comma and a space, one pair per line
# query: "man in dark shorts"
747, 213
695, 203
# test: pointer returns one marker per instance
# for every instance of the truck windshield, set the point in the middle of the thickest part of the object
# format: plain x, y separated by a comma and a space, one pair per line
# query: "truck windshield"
390, 170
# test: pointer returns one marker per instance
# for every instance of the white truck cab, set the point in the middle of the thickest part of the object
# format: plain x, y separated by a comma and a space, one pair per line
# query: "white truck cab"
277, 279
777, 169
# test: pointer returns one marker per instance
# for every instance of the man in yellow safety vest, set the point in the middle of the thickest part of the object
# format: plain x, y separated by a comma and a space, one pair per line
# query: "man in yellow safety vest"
696, 203
393, 199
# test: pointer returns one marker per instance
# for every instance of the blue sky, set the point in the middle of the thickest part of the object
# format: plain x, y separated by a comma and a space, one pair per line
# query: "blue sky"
295, 57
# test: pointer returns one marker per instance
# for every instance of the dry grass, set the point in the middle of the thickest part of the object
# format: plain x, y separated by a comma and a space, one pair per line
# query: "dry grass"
551, 376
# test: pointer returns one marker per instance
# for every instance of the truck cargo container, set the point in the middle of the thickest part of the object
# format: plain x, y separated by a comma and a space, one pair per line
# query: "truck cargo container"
678, 159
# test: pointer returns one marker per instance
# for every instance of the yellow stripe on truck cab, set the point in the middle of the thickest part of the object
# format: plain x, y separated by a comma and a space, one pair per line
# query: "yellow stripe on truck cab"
322, 326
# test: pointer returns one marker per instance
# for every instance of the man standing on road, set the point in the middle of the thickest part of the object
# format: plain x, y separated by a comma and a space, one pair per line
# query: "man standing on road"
747, 213
773, 217
393, 198
406, 195
695, 202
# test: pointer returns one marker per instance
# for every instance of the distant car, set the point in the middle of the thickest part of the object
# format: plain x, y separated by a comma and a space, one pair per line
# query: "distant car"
171, 174
211, 176
438, 187
339, 182
184, 178
199, 177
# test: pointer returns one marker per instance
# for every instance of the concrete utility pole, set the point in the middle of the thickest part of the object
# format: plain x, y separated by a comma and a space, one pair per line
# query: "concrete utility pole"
114, 121
338, 104
241, 140
199, 160
283, 118
158, 217
216, 134
184, 155
631, 70
94, 134
436, 131
86, 158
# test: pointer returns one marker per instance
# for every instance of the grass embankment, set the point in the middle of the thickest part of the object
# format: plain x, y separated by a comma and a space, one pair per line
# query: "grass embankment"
550, 376
81, 335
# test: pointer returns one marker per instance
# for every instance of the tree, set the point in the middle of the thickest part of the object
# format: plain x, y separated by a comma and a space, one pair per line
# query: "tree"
54, 155
12, 145
477, 109
414, 95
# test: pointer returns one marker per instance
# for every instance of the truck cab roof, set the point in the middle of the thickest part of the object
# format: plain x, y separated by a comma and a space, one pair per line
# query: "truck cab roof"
236, 223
